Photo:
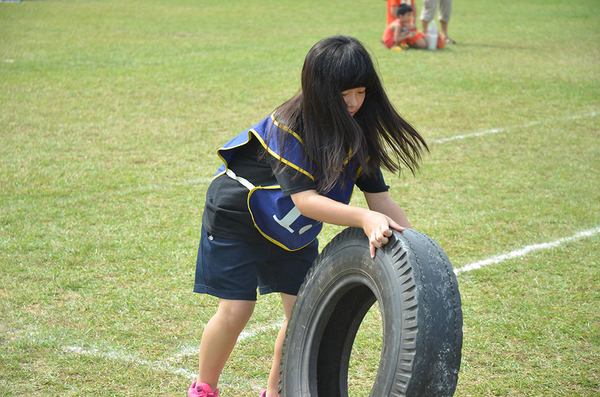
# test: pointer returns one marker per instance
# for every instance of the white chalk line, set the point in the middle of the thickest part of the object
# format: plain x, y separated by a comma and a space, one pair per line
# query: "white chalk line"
252, 333
526, 250
207, 180
167, 364
158, 366
503, 129
117, 355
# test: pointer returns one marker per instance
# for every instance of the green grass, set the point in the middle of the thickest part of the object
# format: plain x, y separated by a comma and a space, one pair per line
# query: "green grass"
111, 115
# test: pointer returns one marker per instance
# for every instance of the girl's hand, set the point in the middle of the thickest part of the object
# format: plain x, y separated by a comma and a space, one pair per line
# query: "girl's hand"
377, 228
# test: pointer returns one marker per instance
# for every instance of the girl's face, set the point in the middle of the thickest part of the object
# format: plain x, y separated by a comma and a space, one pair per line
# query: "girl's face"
354, 99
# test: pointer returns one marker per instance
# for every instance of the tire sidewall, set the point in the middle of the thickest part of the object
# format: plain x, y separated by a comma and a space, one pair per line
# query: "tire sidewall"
344, 268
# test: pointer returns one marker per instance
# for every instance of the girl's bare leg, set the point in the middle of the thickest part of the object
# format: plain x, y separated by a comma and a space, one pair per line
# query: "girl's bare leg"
219, 338
273, 385
421, 43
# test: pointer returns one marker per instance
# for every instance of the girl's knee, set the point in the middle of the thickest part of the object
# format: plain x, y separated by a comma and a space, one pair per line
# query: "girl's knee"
236, 312
421, 43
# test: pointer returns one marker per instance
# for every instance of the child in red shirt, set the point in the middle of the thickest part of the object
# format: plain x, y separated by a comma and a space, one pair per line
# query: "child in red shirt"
401, 32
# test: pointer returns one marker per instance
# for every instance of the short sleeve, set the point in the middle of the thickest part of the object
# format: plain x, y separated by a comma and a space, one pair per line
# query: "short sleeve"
290, 180
374, 183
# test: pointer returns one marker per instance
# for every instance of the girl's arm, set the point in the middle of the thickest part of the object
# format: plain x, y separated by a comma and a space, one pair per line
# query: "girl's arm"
384, 203
399, 36
376, 225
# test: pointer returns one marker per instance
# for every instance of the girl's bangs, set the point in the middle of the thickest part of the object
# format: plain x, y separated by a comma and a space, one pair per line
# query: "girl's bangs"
358, 71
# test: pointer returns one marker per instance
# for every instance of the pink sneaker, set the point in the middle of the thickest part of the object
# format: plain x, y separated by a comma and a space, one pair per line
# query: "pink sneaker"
202, 390
264, 394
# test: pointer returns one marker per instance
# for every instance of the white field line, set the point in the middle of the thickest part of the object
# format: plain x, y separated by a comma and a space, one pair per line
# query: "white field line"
502, 129
159, 366
207, 180
112, 355
525, 250
252, 333
167, 365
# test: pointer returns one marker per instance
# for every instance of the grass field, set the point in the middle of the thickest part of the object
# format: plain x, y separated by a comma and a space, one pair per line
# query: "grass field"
110, 116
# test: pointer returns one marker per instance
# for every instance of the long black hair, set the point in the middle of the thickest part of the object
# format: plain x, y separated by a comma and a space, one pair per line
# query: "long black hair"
377, 136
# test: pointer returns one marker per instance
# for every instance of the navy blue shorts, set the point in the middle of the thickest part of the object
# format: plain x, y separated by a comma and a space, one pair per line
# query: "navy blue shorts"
233, 269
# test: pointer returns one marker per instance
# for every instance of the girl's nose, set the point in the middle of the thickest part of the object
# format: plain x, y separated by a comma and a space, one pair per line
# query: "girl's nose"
350, 100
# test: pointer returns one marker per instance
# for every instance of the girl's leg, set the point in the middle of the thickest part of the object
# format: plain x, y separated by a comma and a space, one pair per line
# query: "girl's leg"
273, 385
219, 338
421, 43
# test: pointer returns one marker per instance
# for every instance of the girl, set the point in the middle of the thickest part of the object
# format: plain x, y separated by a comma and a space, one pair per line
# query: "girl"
285, 176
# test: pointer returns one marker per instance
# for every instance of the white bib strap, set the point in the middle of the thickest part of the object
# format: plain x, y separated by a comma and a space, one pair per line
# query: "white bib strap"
247, 184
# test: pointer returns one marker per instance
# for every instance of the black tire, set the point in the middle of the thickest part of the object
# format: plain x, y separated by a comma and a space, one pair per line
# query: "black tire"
412, 280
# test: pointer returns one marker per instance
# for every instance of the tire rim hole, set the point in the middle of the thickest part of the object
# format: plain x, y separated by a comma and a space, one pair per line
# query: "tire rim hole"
366, 353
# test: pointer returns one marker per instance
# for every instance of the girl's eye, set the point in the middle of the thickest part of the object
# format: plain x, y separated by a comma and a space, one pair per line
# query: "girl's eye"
345, 93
